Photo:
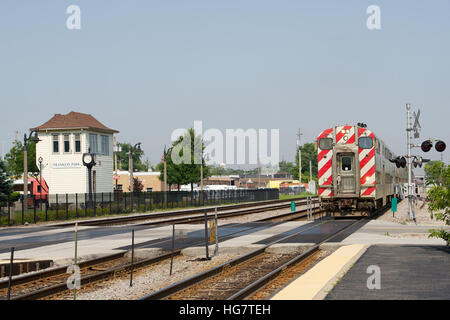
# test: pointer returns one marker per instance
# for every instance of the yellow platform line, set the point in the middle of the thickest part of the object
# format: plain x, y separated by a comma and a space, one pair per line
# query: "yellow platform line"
315, 283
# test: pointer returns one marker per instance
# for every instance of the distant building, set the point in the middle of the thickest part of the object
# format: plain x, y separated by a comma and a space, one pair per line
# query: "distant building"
150, 181
64, 140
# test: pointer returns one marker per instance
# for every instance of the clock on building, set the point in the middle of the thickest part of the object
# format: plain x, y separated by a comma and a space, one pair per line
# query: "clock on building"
88, 160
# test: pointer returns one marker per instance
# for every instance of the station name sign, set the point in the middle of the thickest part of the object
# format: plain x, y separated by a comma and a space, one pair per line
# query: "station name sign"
66, 165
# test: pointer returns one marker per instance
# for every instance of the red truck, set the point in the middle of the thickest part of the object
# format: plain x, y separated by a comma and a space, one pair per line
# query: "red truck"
37, 191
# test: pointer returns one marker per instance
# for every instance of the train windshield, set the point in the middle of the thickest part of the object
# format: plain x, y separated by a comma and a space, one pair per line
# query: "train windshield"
326, 143
346, 163
365, 142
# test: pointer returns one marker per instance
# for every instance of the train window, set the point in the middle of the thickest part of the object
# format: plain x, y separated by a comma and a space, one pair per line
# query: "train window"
365, 142
326, 143
346, 164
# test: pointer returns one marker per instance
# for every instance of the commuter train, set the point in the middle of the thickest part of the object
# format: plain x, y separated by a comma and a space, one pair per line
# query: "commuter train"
354, 171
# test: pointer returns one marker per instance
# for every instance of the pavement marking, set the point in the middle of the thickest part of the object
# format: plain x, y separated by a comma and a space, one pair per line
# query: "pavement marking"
315, 283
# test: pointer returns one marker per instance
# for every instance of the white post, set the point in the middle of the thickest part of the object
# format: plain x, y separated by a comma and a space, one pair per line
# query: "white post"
410, 189
299, 160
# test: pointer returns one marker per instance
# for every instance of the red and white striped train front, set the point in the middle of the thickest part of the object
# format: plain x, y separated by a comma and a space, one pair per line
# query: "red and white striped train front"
346, 168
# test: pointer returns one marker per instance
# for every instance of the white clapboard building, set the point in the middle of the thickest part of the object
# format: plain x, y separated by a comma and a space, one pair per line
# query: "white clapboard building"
64, 139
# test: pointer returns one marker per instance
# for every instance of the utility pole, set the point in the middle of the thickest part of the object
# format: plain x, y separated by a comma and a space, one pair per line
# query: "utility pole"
410, 188
137, 147
25, 176
259, 173
25, 168
165, 173
115, 160
310, 170
130, 168
299, 158
201, 177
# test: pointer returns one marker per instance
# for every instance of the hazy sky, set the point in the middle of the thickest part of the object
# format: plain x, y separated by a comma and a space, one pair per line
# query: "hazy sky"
146, 67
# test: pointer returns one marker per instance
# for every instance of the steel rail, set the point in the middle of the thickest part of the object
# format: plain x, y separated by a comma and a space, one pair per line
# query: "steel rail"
256, 285
104, 274
55, 271
183, 284
145, 216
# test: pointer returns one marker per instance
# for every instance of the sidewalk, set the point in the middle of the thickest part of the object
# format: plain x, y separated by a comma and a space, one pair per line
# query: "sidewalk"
406, 272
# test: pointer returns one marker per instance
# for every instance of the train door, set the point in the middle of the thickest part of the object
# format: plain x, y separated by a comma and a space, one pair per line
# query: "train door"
346, 177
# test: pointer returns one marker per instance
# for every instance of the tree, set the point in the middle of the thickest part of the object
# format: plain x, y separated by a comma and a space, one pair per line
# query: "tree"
184, 173
123, 157
14, 158
137, 186
439, 196
6, 185
309, 152
289, 167
433, 172
174, 173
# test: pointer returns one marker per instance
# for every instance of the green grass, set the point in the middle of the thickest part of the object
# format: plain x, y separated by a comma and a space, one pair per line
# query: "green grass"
299, 195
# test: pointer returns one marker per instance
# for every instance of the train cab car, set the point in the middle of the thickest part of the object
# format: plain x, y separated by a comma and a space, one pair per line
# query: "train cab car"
354, 170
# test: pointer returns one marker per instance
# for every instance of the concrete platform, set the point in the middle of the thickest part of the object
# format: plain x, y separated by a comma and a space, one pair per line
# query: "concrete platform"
382, 232
314, 283
406, 272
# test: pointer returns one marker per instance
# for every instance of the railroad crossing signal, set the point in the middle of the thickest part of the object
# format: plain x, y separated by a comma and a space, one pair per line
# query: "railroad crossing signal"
416, 126
440, 146
428, 144
400, 162
418, 161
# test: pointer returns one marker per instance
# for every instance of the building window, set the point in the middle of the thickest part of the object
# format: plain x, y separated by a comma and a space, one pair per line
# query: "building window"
66, 143
119, 187
93, 143
55, 143
105, 145
77, 142
149, 189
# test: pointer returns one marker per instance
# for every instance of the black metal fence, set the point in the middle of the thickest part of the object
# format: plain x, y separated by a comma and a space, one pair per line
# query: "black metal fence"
292, 190
80, 205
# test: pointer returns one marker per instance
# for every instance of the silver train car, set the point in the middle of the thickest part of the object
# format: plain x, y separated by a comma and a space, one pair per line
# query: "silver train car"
354, 170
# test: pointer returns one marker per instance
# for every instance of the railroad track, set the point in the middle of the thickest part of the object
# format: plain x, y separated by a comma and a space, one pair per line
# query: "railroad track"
242, 277
274, 204
49, 282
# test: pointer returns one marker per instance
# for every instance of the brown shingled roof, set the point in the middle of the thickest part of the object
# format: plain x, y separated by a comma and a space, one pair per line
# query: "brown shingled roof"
73, 120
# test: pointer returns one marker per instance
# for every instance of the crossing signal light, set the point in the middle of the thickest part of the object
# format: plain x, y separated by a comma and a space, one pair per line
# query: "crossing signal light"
440, 146
400, 162
426, 146
417, 162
